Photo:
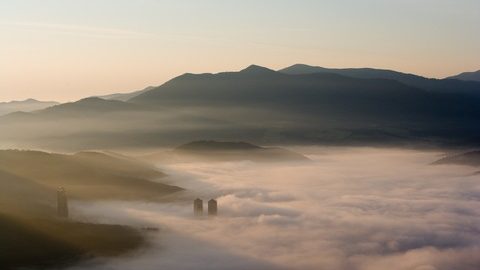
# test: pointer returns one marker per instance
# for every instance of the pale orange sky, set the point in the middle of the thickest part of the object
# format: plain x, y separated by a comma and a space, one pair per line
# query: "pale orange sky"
66, 50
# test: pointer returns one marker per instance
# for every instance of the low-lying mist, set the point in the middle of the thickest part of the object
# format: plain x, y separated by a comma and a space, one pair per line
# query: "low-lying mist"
350, 208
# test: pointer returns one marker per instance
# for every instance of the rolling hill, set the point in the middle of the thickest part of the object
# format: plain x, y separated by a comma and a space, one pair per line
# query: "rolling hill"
225, 151
85, 175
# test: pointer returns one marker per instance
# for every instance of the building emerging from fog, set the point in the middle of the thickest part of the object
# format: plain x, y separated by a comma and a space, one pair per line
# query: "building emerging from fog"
62, 203
212, 207
198, 207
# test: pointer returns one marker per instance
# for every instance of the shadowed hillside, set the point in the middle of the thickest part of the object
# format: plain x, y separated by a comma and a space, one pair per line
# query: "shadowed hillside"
86, 175
49, 243
32, 235
265, 107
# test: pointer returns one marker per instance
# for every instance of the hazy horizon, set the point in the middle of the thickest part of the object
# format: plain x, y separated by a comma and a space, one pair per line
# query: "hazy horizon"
64, 51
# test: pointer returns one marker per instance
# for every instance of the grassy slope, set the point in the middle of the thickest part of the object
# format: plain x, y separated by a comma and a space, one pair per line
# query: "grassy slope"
31, 235
87, 175
47, 242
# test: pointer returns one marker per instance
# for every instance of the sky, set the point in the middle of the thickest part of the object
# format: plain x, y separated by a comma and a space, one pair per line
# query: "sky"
65, 50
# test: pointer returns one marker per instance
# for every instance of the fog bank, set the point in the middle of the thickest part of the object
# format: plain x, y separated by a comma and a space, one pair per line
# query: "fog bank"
351, 208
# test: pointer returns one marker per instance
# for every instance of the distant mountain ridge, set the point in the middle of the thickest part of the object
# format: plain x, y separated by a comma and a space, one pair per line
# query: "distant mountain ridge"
88, 105
266, 107
467, 76
27, 105
449, 85
363, 73
259, 85
125, 96
307, 94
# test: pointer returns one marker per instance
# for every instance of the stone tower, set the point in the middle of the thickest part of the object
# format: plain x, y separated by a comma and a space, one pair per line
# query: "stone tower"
62, 203
198, 207
212, 207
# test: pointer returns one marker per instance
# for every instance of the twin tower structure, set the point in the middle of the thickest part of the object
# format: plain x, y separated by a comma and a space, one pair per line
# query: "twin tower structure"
198, 207
62, 205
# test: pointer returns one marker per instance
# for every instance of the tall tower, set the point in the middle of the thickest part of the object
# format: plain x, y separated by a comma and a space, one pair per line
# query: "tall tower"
62, 203
198, 207
212, 207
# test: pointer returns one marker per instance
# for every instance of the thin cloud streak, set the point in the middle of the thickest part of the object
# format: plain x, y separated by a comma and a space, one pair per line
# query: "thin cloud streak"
79, 30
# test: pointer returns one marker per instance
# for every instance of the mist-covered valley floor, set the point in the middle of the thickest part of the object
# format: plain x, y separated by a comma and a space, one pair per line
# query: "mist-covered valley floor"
349, 208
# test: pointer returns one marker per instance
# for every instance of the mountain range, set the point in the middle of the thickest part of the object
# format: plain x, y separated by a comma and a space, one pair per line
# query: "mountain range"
299, 104
456, 84
126, 96
468, 76
27, 105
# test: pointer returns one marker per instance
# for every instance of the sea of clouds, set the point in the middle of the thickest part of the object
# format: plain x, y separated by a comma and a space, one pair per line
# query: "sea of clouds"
347, 209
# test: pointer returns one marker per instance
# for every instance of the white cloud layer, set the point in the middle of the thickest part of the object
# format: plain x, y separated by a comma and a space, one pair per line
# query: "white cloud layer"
352, 209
